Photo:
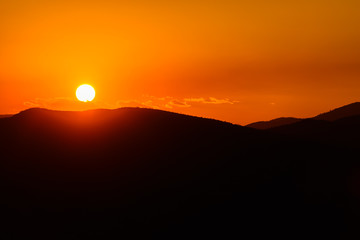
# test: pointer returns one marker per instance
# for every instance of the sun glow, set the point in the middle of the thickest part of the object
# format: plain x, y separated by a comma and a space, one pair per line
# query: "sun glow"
85, 93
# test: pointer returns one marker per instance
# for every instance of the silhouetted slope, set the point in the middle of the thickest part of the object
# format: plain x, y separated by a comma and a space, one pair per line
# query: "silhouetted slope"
5, 116
273, 123
349, 110
147, 173
344, 131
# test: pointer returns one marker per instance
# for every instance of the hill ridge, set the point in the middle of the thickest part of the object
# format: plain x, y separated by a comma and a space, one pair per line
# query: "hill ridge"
348, 110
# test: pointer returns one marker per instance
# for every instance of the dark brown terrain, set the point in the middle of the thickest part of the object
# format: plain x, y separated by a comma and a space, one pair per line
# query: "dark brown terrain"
132, 172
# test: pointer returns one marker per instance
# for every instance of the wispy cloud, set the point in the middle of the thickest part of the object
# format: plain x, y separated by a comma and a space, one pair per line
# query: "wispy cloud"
210, 100
49, 102
171, 102
177, 103
64, 103
136, 103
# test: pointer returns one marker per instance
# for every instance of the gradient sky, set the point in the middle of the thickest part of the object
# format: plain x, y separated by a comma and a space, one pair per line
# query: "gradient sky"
238, 61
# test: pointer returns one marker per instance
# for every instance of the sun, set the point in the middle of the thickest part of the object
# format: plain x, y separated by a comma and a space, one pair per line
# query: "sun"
85, 93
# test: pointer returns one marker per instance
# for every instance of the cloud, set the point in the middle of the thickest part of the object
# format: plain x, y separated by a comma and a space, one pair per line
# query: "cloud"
154, 102
171, 102
33, 104
178, 103
211, 100
63, 103
136, 103
48, 102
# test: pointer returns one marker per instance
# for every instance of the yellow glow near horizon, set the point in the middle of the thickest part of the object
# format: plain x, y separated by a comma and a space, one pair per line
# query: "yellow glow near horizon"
259, 60
85, 93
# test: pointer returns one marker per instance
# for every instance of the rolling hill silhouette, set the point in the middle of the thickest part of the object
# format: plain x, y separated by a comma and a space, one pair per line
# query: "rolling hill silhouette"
273, 123
135, 172
5, 115
349, 110
344, 131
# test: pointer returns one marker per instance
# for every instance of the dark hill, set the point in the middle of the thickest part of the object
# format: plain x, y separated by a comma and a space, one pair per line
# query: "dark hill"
349, 110
5, 115
344, 131
273, 123
131, 172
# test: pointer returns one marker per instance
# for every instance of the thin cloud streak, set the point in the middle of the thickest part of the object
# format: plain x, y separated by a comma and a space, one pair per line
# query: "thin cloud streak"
66, 103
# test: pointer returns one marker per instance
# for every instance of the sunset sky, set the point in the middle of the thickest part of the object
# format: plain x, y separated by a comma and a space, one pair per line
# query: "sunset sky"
238, 61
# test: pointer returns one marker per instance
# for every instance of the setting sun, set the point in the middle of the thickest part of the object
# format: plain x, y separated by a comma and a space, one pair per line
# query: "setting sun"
85, 93
150, 118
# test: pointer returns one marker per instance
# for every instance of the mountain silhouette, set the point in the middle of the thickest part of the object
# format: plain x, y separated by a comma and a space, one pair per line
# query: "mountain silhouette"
273, 123
344, 131
5, 115
134, 172
349, 110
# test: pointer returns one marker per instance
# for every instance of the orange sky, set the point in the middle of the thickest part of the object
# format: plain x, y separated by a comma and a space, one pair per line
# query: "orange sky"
238, 61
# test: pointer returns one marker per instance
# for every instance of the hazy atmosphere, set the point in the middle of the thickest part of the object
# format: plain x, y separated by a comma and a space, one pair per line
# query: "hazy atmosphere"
238, 61
179, 119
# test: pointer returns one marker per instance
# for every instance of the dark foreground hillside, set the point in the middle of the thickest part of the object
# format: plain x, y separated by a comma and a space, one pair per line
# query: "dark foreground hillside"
106, 174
